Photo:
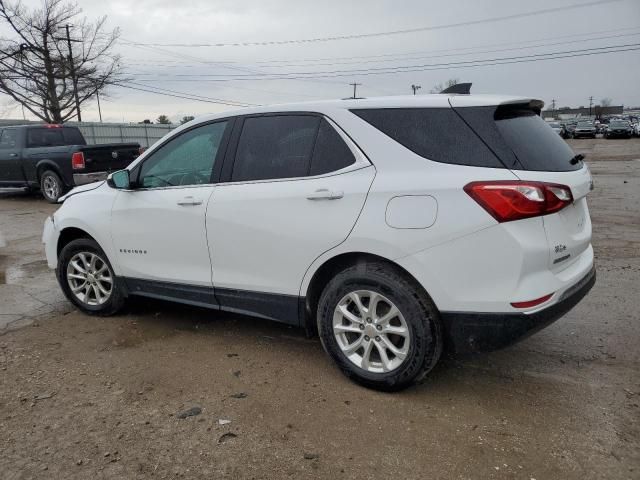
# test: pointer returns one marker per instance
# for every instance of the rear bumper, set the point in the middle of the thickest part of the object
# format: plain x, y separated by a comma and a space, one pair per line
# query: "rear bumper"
469, 332
84, 178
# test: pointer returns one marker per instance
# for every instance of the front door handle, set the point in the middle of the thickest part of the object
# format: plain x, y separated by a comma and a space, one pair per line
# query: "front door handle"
325, 194
189, 201
13, 155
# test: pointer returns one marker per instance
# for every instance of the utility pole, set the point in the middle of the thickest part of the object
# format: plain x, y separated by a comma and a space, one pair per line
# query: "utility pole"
99, 111
590, 104
355, 85
415, 88
72, 67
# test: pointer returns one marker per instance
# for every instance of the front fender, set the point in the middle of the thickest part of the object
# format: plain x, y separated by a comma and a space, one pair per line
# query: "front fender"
90, 212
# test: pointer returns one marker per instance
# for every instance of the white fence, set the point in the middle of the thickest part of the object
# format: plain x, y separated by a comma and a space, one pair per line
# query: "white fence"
145, 134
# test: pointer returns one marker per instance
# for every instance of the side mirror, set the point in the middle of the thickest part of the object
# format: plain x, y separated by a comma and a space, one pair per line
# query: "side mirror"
119, 180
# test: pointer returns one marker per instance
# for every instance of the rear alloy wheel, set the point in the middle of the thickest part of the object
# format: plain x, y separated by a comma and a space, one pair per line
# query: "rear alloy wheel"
51, 186
379, 326
87, 279
374, 337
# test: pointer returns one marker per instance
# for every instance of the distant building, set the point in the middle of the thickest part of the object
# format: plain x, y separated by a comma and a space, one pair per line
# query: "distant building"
596, 111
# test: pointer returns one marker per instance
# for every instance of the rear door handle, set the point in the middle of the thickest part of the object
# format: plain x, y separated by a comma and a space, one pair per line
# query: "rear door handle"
325, 194
189, 201
13, 155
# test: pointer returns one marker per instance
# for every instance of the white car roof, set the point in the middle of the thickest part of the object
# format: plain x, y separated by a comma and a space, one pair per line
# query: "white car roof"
401, 101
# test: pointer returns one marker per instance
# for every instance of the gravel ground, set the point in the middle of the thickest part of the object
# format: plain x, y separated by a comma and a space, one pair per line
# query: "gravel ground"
84, 397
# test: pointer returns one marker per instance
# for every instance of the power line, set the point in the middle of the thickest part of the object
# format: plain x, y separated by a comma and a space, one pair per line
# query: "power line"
616, 30
412, 58
415, 68
186, 63
185, 96
380, 34
306, 64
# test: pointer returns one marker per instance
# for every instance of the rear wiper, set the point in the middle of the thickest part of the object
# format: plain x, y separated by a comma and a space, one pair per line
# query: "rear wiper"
578, 158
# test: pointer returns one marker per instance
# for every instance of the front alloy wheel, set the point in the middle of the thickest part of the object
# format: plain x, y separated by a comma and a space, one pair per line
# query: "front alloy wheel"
89, 278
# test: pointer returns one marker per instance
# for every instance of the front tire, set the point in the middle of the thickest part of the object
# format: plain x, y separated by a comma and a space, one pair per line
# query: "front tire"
51, 186
382, 330
87, 278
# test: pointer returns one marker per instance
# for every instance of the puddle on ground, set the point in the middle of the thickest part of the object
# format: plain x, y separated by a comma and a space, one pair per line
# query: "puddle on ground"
16, 274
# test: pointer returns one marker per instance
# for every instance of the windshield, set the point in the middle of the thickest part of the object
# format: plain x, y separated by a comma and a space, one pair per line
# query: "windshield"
619, 123
554, 125
585, 124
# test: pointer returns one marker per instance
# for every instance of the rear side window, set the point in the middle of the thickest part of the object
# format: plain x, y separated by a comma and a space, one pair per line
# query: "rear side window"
53, 137
278, 146
72, 136
437, 134
330, 153
8, 138
520, 138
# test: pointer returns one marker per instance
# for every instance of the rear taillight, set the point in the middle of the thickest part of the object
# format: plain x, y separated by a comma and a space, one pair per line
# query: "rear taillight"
509, 200
77, 160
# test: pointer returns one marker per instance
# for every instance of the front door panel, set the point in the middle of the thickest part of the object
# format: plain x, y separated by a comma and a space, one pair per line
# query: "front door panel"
159, 234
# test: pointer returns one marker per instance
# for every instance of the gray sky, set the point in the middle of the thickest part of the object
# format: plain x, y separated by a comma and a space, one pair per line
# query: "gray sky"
191, 70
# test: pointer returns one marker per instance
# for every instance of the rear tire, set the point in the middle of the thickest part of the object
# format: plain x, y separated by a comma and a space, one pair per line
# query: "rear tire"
418, 335
87, 278
51, 186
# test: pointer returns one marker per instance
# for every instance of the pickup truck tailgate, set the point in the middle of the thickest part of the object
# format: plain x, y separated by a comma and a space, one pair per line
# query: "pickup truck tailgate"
109, 157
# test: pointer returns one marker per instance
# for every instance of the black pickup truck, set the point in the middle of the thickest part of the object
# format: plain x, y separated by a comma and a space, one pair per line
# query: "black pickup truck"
55, 158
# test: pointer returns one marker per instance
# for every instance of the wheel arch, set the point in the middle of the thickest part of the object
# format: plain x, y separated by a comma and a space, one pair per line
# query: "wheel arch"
327, 270
69, 234
47, 164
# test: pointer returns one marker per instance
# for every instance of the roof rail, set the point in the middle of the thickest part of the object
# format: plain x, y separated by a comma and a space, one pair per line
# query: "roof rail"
459, 88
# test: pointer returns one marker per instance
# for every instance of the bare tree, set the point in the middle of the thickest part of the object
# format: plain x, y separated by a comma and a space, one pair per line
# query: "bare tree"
606, 102
36, 68
440, 87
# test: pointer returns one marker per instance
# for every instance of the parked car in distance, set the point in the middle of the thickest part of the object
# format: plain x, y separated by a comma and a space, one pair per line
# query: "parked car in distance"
569, 127
584, 130
55, 158
619, 129
556, 127
394, 227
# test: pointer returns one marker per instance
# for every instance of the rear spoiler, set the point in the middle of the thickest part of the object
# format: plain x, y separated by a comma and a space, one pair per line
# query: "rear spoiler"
458, 88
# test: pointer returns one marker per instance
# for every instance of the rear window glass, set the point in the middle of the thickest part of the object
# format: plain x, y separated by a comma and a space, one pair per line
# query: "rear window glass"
53, 137
438, 134
520, 138
330, 152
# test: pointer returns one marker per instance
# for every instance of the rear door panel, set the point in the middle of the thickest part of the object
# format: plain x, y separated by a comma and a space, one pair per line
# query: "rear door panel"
264, 235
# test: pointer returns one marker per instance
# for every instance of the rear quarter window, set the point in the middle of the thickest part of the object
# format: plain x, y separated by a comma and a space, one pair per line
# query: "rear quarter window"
437, 134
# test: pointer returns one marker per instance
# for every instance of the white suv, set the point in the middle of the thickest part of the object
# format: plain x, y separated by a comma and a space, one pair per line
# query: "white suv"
396, 227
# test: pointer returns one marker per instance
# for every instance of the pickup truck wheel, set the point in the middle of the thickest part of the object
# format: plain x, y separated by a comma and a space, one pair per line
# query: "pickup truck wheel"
51, 186
87, 278
381, 329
